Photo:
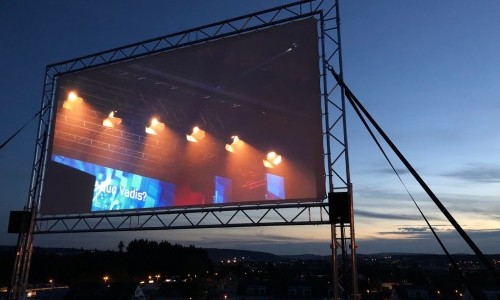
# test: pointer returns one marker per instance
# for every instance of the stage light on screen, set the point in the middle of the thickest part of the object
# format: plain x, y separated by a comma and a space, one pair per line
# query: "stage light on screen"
272, 159
111, 121
155, 127
196, 136
72, 100
231, 147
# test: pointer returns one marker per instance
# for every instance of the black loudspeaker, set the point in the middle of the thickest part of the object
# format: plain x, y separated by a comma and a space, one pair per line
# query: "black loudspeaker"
340, 207
19, 221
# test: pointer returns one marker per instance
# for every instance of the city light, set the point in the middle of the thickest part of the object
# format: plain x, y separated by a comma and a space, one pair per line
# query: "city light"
196, 136
155, 127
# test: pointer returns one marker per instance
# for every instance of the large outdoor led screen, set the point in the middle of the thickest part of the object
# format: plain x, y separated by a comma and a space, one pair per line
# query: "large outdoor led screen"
124, 134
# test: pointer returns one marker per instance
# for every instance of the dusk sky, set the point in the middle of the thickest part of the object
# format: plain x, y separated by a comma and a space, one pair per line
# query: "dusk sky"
428, 72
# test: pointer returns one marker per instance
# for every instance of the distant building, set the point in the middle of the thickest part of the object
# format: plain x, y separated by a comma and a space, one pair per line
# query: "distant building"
52, 294
410, 292
180, 290
301, 291
255, 290
388, 285
102, 291
122, 291
489, 294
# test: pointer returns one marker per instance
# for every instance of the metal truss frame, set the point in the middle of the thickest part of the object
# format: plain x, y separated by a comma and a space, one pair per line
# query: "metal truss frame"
211, 217
297, 213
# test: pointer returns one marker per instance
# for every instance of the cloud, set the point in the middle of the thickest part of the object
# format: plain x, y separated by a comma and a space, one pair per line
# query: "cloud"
416, 230
409, 231
480, 205
389, 170
483, 173
386, 200
257, 239
386, 216
388, 194
485, 234
413, 229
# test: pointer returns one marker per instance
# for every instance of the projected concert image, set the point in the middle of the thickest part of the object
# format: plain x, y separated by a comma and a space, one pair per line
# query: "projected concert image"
231, 121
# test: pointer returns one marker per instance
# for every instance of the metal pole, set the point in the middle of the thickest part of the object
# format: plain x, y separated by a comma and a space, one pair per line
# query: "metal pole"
354, 277
12, 290
354, 266
482, 258
329, 172
335, 272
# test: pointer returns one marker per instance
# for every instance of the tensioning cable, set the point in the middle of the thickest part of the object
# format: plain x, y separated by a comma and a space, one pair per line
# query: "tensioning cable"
21, 128
356, 103
476, 295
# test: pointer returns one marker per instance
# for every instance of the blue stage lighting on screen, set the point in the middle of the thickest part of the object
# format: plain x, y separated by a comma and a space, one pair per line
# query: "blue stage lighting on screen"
275, 187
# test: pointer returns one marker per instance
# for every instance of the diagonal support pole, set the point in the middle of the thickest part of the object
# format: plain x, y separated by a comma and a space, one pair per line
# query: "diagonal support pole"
355, 103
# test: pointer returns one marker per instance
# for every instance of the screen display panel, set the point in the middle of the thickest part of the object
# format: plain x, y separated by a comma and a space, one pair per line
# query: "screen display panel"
230, 121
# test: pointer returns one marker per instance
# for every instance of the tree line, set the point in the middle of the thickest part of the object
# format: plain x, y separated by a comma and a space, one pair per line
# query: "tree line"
142, 258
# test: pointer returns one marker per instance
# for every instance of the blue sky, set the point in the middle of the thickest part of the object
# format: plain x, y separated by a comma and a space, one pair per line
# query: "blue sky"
426, 70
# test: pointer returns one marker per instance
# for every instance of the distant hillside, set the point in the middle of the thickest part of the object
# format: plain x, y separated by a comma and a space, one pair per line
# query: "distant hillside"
217, 255
59, 251
307, 257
